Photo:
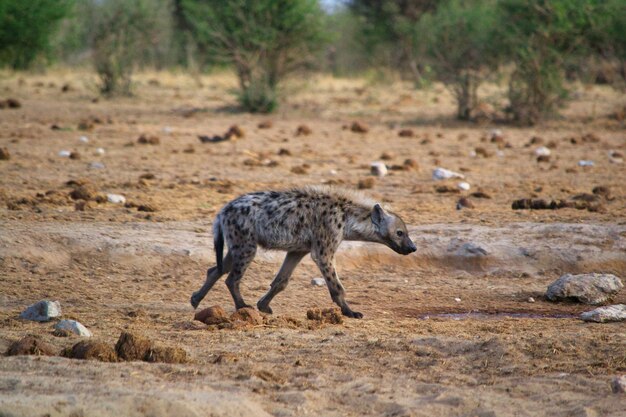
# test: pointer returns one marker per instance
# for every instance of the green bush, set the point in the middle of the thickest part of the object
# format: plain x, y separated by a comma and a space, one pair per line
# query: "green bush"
26, 29
462, 45
264, 40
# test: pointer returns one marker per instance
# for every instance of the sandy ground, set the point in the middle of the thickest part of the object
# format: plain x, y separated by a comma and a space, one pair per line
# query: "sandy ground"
417, 352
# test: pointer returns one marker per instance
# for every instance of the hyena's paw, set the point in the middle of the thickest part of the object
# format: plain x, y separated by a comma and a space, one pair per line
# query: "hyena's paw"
195, 300
352, 314
264, 308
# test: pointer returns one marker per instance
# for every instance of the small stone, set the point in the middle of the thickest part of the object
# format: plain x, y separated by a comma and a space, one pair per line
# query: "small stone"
30, 345
303, 130
531, 300
585, 163
116, 198
606, 314
386, 156
359, 127
148, 140
410, 163
284, 152
99, 151
318, 282
463, 186
64, 153
4, 154
42, 311
457, 299
464, 202
95, 165
585, 288
83, 139
74, 327
443, 174
235, 131
378, 168
74, 155
618, 385
542, 151
211, 315
406, 133
247, 315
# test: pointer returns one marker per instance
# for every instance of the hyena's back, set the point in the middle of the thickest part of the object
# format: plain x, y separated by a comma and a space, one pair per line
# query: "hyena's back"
292, 220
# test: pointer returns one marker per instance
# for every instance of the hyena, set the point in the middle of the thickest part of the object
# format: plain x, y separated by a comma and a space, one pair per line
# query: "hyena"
300, 221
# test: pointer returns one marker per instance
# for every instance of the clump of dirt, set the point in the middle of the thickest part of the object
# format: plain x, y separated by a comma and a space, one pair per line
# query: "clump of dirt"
132, 347
91, 350
480, 194
366, 183
359, 127
284, 152
148, 140
299, 169
10, 103
74, 155
212, 315
603, 191
267, 124
406, 133
464, 202
543, 158
166, 354
539, 204
447, 189
386, 156
410, 163
5, 155
480, 151
303, 130
325, 315
235, 131
86, 191
30, 345
61, 333
247, 315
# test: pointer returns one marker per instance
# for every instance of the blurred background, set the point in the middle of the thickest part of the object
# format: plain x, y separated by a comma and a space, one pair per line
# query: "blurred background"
533, 49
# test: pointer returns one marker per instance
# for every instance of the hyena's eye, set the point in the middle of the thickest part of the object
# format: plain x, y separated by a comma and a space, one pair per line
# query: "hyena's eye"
400, 233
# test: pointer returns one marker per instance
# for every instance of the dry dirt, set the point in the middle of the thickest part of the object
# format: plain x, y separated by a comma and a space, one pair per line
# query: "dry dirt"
445, 333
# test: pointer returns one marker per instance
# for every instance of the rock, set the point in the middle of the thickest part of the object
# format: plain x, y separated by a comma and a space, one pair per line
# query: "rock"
166, 354
303, 130
531, 300
464, 202
74, 327
444, 174
116, 198
406, 133
91, 350
284, 152
463, 186
457, 299
378, 168
132, 347
235, 131
211, 315
585, 288
542, 151
148, 140
325, 315
606, 314
386, 156
42, 311
265, 125
247, 315
4, 154
96, 165
366, 183
618, 385
99, 151
83, 139
585, 163
359, 127
410, 163
64, 153
30, 345
318, 282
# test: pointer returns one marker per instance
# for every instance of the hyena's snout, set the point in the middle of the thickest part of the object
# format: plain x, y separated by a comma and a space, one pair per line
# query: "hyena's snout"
407, 247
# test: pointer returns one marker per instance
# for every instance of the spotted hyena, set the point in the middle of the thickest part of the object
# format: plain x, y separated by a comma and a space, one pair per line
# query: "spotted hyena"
300, 221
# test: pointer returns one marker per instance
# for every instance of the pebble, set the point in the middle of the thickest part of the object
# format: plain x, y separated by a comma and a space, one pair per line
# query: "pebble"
100, 151
378, 168
43, 310
457, 299
618, 385
531, 300
74, 327
542, 151
585, 163
116, 198
318, 282
96, 165
167, 130
64, 153
444, 174
83, 139
463, 186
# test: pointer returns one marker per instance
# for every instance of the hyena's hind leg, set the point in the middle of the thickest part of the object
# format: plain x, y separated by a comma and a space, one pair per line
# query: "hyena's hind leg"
282, 279
242, 257
212, 275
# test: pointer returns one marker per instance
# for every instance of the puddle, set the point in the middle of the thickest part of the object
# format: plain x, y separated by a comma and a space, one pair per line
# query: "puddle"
493, 316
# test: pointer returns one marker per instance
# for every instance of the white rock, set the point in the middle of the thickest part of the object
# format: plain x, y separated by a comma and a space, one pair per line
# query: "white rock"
473, 154
64, 153
618, 385
457, 299
74, 327
606, 314
585, 163
318, 282
542, 151
463, 186
96, 165
500, 153
531, 300
100, 151
116, 198
496, 133
167, 130
378, 168
444, 174
586, 288
333, 172
83, 139
42, 311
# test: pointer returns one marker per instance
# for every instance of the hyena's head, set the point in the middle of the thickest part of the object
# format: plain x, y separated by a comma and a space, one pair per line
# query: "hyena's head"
391, 231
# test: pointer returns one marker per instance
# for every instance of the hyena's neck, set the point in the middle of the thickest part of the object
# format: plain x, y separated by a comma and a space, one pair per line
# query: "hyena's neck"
359, 225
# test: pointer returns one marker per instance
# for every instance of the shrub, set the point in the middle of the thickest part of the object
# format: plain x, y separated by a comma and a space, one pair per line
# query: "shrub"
264, 40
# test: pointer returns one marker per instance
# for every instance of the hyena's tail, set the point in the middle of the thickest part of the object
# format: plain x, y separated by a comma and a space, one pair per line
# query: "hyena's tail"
218, 243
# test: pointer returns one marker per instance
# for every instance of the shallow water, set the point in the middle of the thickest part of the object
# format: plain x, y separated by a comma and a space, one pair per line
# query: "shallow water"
493, 316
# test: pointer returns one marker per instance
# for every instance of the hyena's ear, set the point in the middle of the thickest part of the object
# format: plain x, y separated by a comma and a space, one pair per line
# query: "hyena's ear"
378, 216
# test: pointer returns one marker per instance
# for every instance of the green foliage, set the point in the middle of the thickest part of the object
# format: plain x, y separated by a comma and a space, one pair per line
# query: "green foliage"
122, 32
462, 44
264, 40
26, 28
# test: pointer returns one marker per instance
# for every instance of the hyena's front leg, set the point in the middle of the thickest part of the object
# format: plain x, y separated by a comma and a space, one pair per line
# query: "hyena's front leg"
326, 264
280, 282
212, 275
